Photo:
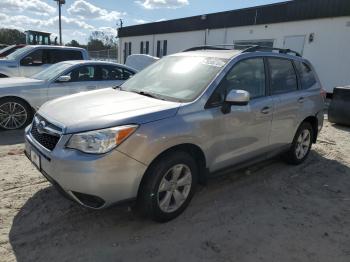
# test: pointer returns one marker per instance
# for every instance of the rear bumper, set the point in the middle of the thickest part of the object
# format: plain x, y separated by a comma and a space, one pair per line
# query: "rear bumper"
94, 181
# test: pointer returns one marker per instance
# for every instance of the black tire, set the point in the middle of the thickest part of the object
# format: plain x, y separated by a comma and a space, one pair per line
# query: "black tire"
148, 200
24, 121
292, 156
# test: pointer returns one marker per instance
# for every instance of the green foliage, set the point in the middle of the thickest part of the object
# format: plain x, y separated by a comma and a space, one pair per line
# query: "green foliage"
73, 43
12, 36
100, 40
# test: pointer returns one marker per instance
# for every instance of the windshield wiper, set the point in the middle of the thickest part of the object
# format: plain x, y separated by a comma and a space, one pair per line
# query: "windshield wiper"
143, 93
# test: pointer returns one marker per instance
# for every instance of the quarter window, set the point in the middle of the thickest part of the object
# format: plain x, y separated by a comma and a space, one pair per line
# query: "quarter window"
248, 75
283, 77
307, 77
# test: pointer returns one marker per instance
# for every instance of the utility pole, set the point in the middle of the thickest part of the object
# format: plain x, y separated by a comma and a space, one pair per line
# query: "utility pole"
60, 3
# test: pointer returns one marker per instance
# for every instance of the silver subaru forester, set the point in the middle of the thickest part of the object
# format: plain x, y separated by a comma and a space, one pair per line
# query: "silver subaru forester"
176, 122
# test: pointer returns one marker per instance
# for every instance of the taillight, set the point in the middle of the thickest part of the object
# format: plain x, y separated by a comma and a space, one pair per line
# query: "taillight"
323, 93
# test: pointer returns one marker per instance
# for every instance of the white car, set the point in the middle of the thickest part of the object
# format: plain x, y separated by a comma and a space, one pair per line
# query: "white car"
32, 59
20, 97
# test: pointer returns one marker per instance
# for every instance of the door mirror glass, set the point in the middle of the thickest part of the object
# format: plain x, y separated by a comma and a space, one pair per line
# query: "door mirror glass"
63, 79
237, 97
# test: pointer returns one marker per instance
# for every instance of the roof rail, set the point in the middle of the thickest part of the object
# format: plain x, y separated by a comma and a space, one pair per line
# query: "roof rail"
246, 48
205, 47
255, 48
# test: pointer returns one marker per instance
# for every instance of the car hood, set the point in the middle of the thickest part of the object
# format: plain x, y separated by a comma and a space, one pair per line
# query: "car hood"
18, 81
105, 108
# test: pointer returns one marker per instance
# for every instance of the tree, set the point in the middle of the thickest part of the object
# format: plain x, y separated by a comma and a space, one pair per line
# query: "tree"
73, 43
100, 40
12, 36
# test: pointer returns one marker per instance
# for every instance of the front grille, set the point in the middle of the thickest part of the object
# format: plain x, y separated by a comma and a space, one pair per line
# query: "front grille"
49, 141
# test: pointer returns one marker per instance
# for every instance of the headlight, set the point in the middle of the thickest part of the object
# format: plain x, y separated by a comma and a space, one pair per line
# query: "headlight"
100, 141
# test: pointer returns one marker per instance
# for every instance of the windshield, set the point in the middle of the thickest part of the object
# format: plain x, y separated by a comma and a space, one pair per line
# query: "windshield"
19, 52
6, 49
177, 78
52, 71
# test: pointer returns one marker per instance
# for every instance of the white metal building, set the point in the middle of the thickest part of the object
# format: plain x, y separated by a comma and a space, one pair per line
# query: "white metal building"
318, 29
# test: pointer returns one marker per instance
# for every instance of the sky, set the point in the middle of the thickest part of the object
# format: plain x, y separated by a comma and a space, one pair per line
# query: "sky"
81, 17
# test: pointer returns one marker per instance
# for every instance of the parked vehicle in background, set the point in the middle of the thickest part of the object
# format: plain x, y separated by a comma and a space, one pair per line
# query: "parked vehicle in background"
20, 96
30, 60
140, 61
158, 135
10, 49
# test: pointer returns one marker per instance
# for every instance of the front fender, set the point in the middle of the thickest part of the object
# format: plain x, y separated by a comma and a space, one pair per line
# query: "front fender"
151, 139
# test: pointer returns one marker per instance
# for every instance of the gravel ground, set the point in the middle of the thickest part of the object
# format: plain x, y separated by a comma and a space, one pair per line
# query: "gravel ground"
271, 212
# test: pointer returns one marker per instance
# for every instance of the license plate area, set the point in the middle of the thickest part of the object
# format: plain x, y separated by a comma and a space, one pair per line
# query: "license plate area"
35, 158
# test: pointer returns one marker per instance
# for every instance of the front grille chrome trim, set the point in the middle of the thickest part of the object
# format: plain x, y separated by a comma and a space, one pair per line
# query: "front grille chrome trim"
50, 134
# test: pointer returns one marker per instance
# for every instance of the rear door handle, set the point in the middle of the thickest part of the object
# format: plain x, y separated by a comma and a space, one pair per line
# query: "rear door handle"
301, 100
266, 110
91, 87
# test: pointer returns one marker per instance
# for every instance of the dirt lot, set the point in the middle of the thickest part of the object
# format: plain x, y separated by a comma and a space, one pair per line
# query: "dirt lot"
272, 212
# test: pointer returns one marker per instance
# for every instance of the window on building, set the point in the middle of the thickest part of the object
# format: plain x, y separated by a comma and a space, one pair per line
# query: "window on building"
147, 47
243, 44
158, 49
162, 48
127, 50
141, 47
165, 47
283, 77
307, 77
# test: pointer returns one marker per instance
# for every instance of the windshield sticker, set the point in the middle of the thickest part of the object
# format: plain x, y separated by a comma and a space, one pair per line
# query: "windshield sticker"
214, 62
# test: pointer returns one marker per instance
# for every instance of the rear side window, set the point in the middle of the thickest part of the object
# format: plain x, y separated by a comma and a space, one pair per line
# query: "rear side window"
114, 73
307, 77
283, 77
57, 55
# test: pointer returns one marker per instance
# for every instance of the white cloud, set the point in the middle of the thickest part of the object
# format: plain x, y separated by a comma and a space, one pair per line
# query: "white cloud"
140, 21
72, 28
86, 10
35, 6
156, 4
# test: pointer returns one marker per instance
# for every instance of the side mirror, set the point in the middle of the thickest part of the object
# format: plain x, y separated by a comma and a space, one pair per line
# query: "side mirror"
27, 61
63, 79
237, 98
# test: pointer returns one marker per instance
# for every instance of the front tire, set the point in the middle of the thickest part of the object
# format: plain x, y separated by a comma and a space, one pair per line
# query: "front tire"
14, 114
301, 145
169, 186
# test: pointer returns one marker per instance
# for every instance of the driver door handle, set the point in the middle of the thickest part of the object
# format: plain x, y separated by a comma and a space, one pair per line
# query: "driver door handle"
266, 110
301, 100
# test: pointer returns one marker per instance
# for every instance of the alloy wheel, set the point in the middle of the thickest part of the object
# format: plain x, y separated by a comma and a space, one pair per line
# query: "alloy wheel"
174, 188
303, 144
12, 115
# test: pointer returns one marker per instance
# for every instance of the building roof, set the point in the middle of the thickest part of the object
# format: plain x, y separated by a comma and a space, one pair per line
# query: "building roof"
296, 10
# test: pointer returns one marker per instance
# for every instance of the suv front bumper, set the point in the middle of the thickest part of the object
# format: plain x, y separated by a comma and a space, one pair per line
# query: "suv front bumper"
94, 181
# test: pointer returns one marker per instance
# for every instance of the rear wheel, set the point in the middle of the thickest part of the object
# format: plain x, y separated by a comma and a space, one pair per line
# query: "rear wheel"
169, 186
14, 114
301, 145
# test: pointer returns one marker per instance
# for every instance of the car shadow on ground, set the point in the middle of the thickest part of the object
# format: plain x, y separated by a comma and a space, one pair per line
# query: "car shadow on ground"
275, 210
11, 137
341, 127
